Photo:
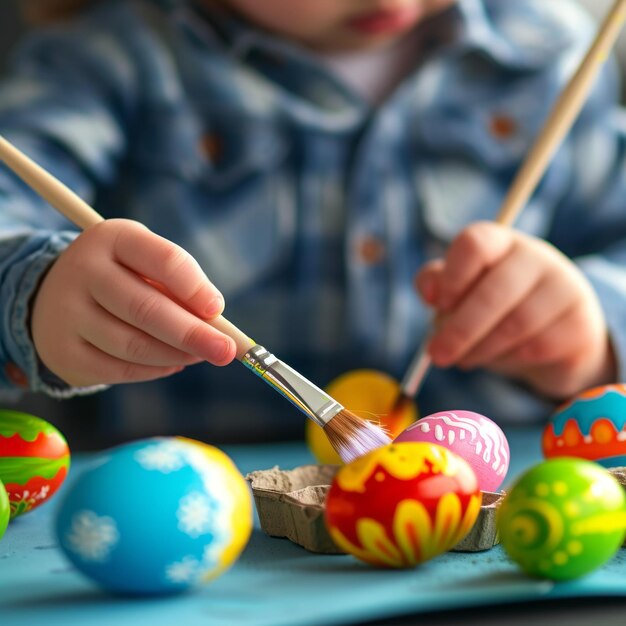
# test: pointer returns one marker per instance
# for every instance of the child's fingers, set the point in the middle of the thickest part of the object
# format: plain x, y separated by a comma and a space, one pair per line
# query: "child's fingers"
573, 352
554, 342
538, 310
90, 366
474, 251
555, 360
130, 298
427, 280
166, 263
491, 299
116, 338
560, 341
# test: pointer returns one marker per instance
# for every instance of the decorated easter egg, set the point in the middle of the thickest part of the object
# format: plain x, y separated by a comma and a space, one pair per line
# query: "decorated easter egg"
402, 504
474, 437
563, 518
370, 394
34, 460
591, 426
155, 516
5, 509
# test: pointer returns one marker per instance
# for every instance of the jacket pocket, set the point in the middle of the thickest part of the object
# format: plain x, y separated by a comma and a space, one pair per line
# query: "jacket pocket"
249, 195
224, 194
469, 150
453, 193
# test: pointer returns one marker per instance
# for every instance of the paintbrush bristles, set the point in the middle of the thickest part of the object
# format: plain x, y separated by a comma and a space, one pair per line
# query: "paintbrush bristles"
400, 406
352, 436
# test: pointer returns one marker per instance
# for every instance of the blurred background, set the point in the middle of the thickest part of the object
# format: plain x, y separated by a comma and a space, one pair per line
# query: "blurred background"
12, 28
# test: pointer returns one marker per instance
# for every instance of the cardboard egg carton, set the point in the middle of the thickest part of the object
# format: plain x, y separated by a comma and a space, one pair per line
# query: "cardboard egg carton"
290, 504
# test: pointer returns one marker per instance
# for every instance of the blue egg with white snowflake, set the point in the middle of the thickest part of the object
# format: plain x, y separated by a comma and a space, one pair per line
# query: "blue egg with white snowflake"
155, 516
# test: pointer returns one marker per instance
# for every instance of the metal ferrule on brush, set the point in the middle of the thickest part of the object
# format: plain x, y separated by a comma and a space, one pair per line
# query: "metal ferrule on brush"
311, 400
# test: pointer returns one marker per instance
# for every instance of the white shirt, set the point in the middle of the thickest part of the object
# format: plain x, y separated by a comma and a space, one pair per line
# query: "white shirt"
375, 73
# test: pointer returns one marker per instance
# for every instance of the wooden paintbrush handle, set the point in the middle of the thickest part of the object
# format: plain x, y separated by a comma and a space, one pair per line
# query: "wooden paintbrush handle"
69, 204
48, 187
242, 341
562, 116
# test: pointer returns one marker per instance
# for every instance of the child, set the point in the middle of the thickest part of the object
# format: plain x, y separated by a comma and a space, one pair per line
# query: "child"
307, 158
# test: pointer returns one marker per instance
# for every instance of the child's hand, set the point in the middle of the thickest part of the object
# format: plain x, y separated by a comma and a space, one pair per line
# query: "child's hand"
515, 305
95, 320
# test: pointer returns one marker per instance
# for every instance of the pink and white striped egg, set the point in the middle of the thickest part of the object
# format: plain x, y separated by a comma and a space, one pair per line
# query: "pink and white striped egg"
474, 437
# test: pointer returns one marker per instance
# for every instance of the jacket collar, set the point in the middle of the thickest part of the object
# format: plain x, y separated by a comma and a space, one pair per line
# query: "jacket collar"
518, 36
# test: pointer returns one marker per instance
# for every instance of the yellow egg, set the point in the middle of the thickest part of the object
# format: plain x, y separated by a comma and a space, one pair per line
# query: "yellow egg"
370, 394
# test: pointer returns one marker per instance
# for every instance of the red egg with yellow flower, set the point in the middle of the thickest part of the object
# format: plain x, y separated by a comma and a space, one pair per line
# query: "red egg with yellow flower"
402, 504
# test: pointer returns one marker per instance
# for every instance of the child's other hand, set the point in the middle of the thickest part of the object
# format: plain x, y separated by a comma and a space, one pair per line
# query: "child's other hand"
515, 305
95, 320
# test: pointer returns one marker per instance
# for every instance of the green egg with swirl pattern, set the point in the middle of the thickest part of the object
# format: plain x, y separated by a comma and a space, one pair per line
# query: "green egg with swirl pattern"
563, 518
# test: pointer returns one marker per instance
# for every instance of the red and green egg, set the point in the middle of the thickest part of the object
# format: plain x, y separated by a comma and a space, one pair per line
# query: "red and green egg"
5, 511
34, 460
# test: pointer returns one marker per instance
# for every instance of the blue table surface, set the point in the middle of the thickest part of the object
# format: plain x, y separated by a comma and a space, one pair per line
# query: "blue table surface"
275, 582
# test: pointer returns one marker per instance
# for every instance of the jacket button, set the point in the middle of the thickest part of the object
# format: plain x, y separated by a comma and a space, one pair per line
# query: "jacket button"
502, 126
15, 375
211, 147
370, 250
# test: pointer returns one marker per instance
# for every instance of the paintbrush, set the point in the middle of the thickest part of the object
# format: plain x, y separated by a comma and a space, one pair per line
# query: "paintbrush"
350, 435
557, 125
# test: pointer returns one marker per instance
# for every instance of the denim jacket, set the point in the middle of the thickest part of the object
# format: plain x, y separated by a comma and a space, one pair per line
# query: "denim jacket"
310, 209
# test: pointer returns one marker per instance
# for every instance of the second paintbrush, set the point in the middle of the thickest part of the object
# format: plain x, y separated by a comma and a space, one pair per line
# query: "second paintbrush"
556, 127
